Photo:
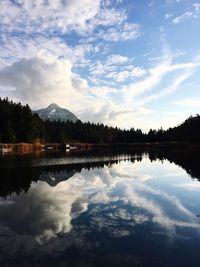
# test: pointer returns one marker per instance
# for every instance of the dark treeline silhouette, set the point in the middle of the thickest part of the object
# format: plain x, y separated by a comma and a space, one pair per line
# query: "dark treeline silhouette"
19, 124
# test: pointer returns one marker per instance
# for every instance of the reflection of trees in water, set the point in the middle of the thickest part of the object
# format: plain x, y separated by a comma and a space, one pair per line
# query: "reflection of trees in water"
14, 178
188, 160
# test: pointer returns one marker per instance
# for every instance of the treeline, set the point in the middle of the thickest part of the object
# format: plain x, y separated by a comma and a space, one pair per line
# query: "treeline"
19, 124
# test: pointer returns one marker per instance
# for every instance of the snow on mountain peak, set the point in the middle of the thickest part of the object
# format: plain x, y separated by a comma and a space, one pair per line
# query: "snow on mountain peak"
54, 112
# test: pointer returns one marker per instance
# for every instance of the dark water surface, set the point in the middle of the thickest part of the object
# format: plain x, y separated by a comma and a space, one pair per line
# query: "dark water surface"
111, 209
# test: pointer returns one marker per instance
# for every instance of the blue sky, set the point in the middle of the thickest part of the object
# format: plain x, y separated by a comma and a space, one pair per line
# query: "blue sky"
121, 62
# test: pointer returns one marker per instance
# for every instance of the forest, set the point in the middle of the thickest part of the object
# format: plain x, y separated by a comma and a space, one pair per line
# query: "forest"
19, 124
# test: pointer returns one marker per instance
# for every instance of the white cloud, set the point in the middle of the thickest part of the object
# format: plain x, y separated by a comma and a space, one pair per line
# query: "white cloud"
44, 79
127, 31
118, 76
137, 72
116, 59
174, 85
15, 48
192, 13
99, 68
193, 186
57, 16
121, 76
126, 118
117, 69
190, 102
41, 80
148, 83
108, 16
54, 15
155, 77
185, 16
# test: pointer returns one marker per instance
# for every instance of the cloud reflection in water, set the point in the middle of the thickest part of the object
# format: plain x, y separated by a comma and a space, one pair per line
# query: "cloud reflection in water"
115, 200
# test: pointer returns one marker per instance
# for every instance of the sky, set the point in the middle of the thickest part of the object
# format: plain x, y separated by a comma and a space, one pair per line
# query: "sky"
125, 63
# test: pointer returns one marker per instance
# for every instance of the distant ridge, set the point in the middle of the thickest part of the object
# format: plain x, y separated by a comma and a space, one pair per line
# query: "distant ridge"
54, 113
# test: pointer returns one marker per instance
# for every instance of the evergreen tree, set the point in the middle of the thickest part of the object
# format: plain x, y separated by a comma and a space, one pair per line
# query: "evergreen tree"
19, 124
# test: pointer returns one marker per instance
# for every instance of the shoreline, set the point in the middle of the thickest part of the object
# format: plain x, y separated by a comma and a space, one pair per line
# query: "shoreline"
26, 148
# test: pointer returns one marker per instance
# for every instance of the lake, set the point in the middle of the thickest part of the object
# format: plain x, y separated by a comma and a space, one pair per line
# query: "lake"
130, 208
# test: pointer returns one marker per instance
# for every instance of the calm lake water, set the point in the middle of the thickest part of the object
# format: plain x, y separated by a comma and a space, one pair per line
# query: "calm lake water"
111, 209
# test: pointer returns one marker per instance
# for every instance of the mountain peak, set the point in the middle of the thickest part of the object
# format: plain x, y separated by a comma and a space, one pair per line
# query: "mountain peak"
54, 113
53, 106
